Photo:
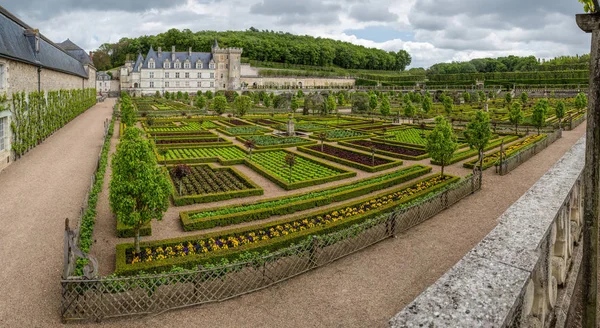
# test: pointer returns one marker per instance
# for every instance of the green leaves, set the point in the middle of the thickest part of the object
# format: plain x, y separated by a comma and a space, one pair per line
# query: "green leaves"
220, 104
441, 142
478, 132
588, 6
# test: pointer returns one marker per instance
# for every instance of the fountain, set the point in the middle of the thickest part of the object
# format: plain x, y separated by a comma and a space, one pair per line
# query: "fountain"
290, 129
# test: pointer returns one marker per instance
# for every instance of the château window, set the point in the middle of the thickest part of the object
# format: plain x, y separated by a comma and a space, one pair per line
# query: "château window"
187, 65
221, 75
212, 75
212, 84
151, 75
166, 75
151, 64
167, 65
187, 84
177, 84
166, 84
187, 75
177, 75
198, 65
211, 66
151, 84
177, 65
199, 75
3, 130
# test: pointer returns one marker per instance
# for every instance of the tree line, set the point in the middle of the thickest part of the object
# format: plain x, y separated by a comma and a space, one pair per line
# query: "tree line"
258, 45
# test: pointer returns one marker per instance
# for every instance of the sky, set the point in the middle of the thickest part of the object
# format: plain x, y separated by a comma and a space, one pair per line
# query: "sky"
431, 31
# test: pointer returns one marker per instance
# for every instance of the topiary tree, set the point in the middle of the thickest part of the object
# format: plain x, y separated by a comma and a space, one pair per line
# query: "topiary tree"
157, 94
384, 109
179, 95
200, 102
220, 104
482, 96
209, 95
360, 102
427, 104
181, 171
560, 112
294, 104
139, 190
540, 113
242, 105
167, 95
441, 142
330, 104
198, 93
409, 110
478, 133
267, 101
341, 99
466, 97
373, 102
300, 94
448, 106
524, 98
515, 115
581, 101
508, 98
290, 160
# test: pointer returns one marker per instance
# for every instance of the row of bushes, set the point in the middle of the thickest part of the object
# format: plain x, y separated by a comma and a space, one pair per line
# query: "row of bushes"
279, 206
192, 261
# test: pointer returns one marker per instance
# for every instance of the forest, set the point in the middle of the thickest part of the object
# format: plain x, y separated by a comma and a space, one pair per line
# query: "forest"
268, 46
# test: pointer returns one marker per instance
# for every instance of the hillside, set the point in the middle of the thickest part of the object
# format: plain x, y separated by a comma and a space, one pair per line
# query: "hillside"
265, 46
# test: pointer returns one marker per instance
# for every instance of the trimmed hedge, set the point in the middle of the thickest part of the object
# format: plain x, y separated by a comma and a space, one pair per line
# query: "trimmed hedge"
221, 160
254, 190
305, 143
344, 174
366, 168
190, 224
474, 152
192, 261
365, 136
124, 231
387, 153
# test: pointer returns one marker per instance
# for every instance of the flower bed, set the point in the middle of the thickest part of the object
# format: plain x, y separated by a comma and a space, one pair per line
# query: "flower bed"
339, 135
512, 149
226, 155
391, 150
269, 141
306, 172
462, 155
227, 215
208, 184
359, 160
244, 130
187, 252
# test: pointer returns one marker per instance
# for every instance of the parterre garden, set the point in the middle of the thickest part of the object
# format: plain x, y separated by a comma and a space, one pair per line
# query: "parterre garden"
308, 183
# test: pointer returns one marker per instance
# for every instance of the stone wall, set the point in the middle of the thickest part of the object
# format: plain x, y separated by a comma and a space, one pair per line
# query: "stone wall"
248, 71
298, 82
524, 272
24, 77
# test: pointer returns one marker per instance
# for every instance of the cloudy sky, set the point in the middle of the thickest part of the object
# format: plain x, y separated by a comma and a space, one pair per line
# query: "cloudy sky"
430, 30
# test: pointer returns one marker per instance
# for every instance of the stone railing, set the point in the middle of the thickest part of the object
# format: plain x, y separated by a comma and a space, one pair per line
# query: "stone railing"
523, 273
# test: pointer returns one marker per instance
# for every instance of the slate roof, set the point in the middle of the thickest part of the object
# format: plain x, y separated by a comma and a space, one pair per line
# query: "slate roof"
76, 52
15, 45
159, 60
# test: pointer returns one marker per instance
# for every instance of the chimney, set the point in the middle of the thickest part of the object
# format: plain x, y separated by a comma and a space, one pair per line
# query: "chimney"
190, 51
159, 51
91, 55
173, 54
33, 36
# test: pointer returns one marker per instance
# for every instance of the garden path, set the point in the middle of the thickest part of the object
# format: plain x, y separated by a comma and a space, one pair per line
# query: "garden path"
37, 193
368, 288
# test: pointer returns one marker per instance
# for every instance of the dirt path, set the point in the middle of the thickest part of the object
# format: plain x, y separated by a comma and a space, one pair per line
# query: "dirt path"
37, 193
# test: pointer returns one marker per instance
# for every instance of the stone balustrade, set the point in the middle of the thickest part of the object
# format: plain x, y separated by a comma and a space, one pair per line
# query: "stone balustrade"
522, 274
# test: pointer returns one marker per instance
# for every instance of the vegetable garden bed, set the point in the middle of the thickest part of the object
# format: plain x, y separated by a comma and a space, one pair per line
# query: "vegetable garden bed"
227, 215
269, 141
226, 155
306, 172
244, 130
359, 160
409, 137
209, 184
188, 252
388, 149
339, 135
491, 159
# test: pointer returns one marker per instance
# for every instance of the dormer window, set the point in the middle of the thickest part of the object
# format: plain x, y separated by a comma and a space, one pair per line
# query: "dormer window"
199, 65
167, 64
187, 65
211, 65
151, 64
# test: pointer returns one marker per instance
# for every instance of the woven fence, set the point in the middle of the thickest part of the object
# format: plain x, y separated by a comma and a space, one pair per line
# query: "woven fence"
508, 164
110, 297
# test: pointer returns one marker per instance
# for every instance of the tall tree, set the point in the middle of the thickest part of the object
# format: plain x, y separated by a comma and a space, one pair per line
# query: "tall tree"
427, 104
139, 191
524, 98
360, 102
441, 142
242, 105
581, 101
200, 102
478, 133
409, 110
331, 105
515, 115
448, 106
508, 98
540, 113
466, 97
385, 106
294, 104
220, 104
373, 102
560, 112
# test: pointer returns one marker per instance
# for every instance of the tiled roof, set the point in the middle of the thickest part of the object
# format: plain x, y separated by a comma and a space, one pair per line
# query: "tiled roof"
76, 52
159, 59
15, 45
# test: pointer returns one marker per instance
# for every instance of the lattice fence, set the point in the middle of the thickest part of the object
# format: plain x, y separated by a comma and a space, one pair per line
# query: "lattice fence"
511, 163
108, 297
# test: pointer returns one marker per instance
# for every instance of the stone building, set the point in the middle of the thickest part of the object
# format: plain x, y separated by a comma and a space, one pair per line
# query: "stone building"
31, 62
187, 71
107, 85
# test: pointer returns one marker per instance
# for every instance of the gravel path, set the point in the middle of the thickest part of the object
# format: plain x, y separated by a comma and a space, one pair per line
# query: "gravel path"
38, 192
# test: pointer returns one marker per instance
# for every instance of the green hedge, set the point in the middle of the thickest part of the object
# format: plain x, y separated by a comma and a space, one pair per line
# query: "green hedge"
190, 224
474, 152
471, 164
349, 163
222, 161
387, 153
192, 261
254, 190
306, 143
344, 174
124, 231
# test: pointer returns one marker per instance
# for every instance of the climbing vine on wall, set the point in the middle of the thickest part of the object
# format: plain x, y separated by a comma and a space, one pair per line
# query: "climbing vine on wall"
37, 115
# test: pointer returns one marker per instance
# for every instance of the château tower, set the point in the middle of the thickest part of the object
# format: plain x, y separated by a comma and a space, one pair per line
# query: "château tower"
228, 61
